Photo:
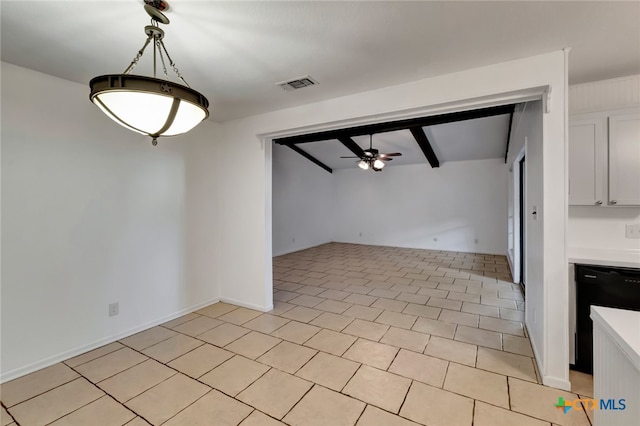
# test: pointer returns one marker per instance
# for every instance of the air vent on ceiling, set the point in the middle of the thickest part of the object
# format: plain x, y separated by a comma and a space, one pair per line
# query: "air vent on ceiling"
297, 83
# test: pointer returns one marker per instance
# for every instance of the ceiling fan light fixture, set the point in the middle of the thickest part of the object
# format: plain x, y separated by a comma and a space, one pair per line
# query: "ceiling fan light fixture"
378, 164
372, 158
364, 165
149, 105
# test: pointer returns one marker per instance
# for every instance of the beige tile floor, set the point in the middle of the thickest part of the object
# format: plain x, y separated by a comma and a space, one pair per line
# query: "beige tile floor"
359, 335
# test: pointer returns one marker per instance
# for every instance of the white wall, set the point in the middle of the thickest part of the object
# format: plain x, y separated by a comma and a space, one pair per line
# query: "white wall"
622, 92
91, 214
415, 205
244, 229
528, 127
603, 227
303, 202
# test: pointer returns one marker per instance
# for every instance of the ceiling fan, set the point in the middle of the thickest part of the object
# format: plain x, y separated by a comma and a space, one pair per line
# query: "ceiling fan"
372, 159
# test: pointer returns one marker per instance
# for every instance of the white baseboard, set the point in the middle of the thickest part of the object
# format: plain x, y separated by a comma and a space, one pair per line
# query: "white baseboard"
536, 356
21, 371
510, 261
419, 247
247, 305
556, 382
551, 381
293, 250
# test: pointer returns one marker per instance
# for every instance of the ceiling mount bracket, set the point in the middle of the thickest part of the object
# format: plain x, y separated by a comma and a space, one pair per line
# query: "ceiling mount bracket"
156, 13
154, 32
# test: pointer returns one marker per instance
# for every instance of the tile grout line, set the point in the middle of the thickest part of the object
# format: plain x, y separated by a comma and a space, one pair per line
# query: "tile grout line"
405, 396
137, 417
509, 393
313, 385
446, 372
518, 412
42, 393
73, 411
473, 412
13, 419
115, 374
98, 387
361, 413
198, 399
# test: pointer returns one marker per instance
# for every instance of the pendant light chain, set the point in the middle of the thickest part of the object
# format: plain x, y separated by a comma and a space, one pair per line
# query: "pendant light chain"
173, 64
135, 60
158, 48
164, 66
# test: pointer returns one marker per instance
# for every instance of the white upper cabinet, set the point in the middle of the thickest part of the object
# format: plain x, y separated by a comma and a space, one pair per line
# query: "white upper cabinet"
624, 159
604, 159
587, 150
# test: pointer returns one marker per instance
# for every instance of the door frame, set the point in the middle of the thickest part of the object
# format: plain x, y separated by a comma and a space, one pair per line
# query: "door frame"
519, 217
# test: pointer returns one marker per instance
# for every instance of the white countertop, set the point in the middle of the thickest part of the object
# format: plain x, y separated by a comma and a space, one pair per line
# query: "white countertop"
624, 328
604, 257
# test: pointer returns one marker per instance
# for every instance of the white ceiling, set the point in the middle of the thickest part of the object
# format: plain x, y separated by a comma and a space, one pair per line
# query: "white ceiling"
234, 52
476, 139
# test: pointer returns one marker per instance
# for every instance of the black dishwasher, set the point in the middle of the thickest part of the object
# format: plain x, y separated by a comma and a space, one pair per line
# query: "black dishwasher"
601, 286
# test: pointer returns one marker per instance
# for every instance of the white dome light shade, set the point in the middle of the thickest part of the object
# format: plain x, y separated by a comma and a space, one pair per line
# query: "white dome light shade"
364, 165
148, 105
189, 116
378, 164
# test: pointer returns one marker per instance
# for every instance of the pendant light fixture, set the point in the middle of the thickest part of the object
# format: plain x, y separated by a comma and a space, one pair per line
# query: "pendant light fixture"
149, 105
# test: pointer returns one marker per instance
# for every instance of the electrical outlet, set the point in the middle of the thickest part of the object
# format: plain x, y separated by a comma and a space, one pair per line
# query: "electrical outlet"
633, 231
114, 309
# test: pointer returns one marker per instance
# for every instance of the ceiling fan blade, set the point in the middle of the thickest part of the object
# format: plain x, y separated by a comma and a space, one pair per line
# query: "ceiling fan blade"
391, 154
349, 157
386, 159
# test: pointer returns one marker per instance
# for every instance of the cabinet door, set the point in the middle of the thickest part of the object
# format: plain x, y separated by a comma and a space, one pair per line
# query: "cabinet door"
624, 160
586, 162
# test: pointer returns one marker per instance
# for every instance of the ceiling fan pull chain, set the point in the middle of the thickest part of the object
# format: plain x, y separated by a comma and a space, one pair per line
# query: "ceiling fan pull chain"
135, 60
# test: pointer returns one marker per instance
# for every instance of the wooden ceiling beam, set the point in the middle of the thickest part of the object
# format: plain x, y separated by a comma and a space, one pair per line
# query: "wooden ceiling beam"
351, 145
506, 152
310, 157
425, 146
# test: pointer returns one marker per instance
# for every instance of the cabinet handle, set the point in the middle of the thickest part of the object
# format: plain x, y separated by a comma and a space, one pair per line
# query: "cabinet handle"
613, 202
599, 202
